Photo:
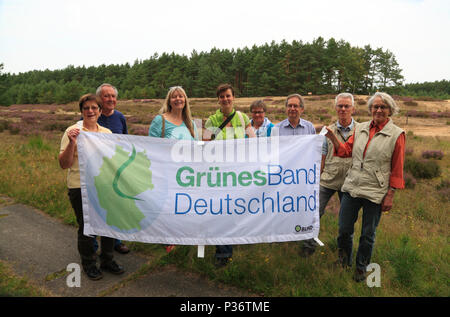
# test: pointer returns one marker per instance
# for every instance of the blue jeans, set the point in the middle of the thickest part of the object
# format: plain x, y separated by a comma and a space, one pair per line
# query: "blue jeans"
325, 195
224, 251
348, 215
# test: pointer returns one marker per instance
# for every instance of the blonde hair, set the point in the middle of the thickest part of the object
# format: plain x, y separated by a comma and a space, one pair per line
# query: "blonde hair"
186, 114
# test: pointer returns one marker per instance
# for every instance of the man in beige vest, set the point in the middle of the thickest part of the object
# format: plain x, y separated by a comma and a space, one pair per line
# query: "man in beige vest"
333, 168
377, 149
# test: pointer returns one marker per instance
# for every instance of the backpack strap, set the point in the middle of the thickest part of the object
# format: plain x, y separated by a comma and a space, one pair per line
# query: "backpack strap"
163, 127
223, 125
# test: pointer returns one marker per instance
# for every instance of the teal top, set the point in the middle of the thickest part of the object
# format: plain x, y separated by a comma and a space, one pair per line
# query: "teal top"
172, 131
236, 132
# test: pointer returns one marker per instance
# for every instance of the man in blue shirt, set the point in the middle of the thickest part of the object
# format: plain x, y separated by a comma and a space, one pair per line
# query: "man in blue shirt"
110, 117
116, 122
294, 125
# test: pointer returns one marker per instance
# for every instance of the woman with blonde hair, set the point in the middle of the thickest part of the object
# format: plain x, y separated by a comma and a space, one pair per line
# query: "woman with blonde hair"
175, 119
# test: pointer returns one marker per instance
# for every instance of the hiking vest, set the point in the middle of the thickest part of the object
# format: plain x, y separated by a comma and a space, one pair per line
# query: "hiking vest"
369, 176
335, 168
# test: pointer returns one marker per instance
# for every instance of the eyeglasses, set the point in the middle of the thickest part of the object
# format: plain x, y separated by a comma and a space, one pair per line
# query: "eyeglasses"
382, 107
257, 112
343, 106
93, 108
291, 105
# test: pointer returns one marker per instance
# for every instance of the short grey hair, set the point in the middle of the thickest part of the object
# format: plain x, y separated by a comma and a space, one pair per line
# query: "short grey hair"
302, 102
258, 104
387, 99
344, 95
99, 89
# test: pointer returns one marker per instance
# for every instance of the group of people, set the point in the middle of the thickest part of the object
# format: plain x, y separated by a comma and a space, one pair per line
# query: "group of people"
362, 162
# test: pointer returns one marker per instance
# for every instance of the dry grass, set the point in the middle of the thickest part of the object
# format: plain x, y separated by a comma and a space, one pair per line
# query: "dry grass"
412, 239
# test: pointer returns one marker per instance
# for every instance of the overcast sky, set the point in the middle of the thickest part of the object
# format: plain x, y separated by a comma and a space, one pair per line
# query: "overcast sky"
52, 34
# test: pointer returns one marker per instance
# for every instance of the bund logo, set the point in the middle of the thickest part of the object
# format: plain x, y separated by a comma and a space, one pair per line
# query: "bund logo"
300, 229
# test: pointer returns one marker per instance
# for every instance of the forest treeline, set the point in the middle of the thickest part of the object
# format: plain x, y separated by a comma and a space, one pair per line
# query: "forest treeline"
319, 67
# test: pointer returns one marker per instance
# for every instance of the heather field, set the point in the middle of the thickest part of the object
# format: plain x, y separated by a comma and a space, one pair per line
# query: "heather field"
412, 246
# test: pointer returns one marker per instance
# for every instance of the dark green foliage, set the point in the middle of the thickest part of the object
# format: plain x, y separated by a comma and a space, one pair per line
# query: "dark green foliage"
421, 168
320, 67
427, 90
406, 261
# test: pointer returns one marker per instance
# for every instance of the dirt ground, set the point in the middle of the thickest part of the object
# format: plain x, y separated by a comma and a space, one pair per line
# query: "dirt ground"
419, 126
425, 127
439, 126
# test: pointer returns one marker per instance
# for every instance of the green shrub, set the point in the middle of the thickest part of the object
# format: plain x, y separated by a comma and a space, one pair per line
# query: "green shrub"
421, 168
406, 261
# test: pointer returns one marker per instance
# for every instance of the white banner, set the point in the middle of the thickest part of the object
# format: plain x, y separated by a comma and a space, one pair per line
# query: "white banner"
155, 190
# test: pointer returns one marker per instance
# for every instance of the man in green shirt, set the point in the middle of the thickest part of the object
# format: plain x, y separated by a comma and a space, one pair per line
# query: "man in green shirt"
227, 123
237, 127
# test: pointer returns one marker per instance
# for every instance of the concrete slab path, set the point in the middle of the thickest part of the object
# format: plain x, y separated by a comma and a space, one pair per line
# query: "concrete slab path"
40, 248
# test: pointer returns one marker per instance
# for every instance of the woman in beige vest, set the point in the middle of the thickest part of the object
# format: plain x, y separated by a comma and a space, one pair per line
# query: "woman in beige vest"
377, 152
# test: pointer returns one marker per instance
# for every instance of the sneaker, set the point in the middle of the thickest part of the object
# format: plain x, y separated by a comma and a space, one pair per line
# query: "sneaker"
121, 248
359, 275
112, 267
221, 262
93, 272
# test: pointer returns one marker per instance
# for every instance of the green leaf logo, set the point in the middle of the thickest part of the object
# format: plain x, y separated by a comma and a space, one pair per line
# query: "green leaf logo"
121, 179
